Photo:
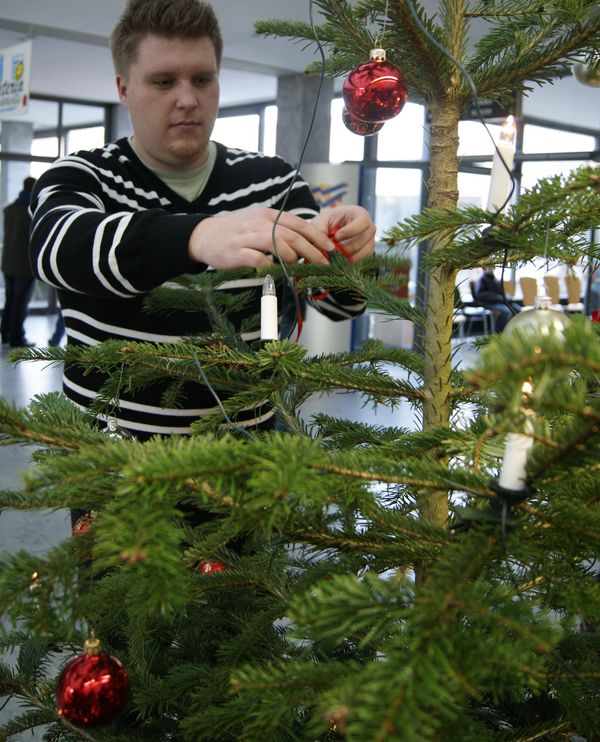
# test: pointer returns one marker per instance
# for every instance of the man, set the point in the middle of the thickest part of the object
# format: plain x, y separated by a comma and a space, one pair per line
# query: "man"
114, 223
18, 276
489, 294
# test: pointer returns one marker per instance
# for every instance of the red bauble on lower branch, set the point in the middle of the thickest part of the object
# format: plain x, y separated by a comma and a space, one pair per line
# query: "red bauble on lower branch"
375, 91
92, 688
81, 530
207, 567
83, 524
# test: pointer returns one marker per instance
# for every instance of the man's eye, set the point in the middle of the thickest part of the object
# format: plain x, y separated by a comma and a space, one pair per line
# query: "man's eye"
203, 81
162, 83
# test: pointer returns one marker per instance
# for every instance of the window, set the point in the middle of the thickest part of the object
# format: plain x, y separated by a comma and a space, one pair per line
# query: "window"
538, 139
241, 132
269, 142
251, 127
475, 139
88, 138
29, 144
402, 138
343, 144
397, 196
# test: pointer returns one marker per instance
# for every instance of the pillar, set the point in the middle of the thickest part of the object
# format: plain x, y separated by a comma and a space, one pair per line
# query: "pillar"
296, 100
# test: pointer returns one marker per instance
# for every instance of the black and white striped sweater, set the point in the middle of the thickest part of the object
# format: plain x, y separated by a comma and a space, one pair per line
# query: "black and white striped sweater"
106, 230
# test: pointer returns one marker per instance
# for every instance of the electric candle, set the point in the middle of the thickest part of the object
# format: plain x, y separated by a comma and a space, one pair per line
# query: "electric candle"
513, 475
502, 163
268, 311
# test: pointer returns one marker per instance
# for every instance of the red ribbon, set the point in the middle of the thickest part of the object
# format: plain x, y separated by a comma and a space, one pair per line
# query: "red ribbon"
325, 293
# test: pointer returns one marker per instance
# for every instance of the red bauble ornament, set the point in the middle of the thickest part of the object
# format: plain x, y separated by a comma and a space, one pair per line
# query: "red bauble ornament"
82, 527
207, 567
375, 91
92, 688
356, 126
83, 524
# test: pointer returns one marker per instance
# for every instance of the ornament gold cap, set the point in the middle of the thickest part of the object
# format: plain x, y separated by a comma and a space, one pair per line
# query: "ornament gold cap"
92, 645
377, 55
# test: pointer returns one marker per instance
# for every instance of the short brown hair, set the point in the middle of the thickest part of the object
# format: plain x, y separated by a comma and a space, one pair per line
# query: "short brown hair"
189, 19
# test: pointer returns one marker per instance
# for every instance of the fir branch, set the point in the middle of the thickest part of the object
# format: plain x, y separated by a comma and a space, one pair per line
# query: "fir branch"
342, 30
533, 48
51, 420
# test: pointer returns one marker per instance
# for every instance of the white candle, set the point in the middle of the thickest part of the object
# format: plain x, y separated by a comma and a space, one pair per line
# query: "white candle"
514, 466
513, 475
268, 311
502, 163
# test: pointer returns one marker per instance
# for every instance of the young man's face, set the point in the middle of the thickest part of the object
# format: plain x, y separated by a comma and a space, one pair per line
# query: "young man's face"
172, 94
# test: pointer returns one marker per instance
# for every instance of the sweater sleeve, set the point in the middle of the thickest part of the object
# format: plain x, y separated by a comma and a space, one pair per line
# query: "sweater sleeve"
90, 237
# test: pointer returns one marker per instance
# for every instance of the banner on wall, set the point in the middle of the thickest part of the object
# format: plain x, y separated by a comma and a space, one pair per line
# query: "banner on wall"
15, 69
332, 185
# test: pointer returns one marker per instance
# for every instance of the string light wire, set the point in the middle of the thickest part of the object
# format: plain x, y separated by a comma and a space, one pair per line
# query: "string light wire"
288, 278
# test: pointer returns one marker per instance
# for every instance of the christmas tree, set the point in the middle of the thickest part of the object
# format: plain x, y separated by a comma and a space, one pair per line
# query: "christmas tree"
358, 582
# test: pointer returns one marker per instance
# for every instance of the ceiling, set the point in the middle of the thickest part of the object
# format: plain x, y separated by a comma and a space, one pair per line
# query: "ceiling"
71, 57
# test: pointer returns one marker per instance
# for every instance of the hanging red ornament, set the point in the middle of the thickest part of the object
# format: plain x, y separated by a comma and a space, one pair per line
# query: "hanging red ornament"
83, 524
81, 530
93, 687
207, 567
356, 126
375, 91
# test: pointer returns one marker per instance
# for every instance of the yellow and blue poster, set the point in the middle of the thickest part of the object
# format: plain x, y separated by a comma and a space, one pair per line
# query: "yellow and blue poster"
332, 184
15, 69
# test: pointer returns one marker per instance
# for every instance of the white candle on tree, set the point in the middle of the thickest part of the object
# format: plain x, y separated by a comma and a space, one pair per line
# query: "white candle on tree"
513, 475
268, 311
502, 163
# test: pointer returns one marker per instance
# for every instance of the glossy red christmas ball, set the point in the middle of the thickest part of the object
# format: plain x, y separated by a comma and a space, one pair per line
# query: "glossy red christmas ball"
375, 91
82, 525
81, 530
92, 689
356, 126
207, 567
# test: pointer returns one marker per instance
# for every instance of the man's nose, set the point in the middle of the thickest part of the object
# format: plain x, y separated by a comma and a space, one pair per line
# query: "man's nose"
187, 96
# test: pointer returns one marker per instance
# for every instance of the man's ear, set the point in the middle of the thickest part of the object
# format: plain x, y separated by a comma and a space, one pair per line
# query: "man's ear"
122, 89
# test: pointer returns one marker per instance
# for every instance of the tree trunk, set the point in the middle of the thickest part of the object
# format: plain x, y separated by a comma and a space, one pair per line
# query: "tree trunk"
439, 306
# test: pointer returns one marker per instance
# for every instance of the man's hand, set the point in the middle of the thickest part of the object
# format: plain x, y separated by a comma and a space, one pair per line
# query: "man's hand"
353, 229
244, 238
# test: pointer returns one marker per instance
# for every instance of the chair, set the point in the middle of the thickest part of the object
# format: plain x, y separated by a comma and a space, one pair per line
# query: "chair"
471, 313
574, 303
528, 286
509, 288
458, 321
553, 289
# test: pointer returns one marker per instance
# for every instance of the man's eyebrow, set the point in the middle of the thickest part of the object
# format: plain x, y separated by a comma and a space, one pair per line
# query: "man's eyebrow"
169, 72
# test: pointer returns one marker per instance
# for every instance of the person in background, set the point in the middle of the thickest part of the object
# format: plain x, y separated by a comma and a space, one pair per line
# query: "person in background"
111, 224
490, 295
18, 275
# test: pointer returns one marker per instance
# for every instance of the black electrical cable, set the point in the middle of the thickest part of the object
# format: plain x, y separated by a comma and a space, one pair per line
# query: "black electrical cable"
289, 280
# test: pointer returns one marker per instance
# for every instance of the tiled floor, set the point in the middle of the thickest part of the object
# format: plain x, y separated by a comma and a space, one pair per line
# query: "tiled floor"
18, 384
39, 531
